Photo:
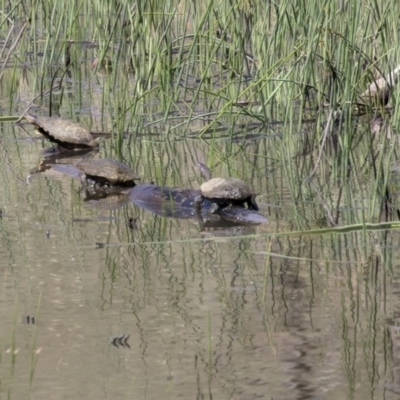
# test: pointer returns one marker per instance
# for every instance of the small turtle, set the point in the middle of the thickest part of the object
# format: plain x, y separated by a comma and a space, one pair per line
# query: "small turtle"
105, 65
107, 172
225, 192
378, 92
67, 134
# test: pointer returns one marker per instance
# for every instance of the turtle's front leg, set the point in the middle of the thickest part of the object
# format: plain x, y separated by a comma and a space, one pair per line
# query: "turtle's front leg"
215, 207
251, 203
198, 202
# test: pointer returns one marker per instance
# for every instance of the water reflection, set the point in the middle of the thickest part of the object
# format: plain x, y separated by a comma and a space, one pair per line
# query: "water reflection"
224, 317
216, 313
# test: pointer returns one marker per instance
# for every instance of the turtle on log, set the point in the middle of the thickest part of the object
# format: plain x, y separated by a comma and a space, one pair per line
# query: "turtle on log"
378, 92
225, 192
67, 134
181, 203
107, 172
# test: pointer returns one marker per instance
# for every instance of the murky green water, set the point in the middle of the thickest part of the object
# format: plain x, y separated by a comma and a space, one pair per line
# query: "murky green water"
210, 314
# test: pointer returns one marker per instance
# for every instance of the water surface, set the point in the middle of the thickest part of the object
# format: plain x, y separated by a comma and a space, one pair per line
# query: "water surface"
228, 313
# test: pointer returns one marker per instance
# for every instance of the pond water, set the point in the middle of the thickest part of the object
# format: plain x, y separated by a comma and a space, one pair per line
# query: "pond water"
163, 308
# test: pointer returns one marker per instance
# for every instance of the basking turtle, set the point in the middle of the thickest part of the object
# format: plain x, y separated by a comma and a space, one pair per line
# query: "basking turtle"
107, 172
378, 92
180, 203
225, 191
67, 134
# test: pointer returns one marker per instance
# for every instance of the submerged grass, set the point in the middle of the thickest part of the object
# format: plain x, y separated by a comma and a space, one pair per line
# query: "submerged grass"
12, 350
384, 226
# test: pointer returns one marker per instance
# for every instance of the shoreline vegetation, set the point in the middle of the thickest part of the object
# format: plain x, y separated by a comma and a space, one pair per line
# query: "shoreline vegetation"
320, 76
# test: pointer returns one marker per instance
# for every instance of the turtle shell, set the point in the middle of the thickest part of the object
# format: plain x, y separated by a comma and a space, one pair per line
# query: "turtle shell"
108, 170
62, 131
226, 188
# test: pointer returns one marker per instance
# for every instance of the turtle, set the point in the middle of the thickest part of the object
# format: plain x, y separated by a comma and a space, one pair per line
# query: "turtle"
104, 65
67, 134
378, 92
107, 172
224, 192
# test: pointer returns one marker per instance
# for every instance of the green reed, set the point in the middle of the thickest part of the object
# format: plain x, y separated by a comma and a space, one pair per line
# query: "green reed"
219, 71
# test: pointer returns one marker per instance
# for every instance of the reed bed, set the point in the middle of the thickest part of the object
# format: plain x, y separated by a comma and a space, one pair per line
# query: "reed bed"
224, 74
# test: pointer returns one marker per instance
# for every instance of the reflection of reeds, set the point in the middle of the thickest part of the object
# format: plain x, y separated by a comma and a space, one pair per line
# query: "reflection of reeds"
14, 347
35, 351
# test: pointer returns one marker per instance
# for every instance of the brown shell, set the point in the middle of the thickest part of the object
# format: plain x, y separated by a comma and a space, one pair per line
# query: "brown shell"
226, 188
115, 172
63, 131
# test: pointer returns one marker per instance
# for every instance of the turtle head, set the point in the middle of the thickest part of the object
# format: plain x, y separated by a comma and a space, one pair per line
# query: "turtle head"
95, 142
204, 170
30, 118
